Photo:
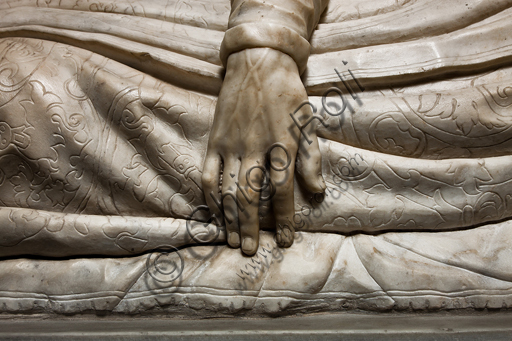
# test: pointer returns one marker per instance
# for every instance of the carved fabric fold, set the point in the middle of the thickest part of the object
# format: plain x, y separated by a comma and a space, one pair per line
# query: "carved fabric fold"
100, 157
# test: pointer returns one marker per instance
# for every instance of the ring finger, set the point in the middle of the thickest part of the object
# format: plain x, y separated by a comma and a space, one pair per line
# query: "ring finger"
229, 201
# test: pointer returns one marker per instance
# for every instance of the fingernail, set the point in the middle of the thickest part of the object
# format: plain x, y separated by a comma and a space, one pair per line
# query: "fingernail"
248, 245
279, 235
287, 232
321, 182
234, 239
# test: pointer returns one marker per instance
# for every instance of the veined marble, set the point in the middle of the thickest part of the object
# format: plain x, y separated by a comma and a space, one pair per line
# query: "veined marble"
105, 114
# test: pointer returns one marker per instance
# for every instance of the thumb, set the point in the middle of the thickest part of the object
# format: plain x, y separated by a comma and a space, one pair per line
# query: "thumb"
309, 164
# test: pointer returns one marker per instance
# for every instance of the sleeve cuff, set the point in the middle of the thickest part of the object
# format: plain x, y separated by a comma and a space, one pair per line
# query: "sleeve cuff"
274, 36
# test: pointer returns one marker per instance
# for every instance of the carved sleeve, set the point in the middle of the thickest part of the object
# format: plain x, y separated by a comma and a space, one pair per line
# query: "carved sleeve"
284, 25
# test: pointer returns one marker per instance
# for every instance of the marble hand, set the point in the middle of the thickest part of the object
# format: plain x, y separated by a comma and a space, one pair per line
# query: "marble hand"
254, 145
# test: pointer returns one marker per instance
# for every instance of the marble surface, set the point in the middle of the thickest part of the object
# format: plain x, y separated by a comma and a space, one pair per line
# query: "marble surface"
105, 114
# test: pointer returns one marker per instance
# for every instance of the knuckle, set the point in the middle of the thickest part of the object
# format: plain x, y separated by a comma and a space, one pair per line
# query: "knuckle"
228, 193
281, 196
229, 199
248, 197
208, 179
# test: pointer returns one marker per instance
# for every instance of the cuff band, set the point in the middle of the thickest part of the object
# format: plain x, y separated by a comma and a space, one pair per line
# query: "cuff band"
277, 37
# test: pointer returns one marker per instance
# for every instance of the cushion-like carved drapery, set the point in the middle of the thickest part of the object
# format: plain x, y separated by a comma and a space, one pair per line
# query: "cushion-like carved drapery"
105, 110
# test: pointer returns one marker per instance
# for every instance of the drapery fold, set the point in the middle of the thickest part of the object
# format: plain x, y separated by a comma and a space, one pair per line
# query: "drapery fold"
104, 158
120, 30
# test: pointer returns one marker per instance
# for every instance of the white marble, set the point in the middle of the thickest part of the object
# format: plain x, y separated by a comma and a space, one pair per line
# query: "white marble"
106, 110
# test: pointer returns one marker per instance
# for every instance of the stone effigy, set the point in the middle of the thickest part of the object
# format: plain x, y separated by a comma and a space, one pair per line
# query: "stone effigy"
106, 110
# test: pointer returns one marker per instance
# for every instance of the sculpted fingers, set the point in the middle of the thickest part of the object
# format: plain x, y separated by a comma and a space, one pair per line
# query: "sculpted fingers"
309, 159
210, 181
230, 202
251, 183
309, 165
282, 166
